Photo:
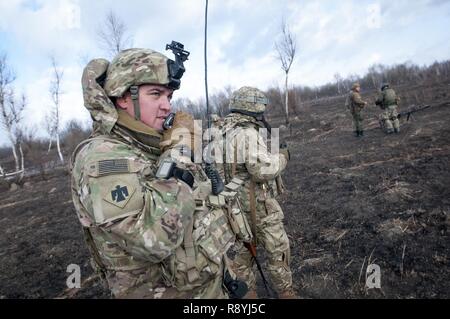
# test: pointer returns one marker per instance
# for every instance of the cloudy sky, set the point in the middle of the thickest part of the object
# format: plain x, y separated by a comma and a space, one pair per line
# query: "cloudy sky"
333, 36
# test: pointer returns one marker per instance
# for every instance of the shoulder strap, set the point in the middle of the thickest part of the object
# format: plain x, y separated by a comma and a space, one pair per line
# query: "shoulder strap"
253, 208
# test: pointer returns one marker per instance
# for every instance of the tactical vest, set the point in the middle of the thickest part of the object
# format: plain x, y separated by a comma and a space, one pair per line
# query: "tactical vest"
252, 192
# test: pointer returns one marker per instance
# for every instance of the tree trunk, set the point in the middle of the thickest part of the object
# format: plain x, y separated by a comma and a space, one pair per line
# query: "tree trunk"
49, 145
59, 149
13, 147
22, 161
286, 98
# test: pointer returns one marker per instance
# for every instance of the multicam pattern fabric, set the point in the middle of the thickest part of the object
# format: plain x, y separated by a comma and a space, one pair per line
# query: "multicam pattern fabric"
356, 106
135, 67
149, 237
389, 119
270, 232
388, 101
96, 101
248, 99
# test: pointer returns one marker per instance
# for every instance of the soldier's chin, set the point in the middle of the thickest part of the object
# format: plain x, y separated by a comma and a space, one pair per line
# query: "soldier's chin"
159, 124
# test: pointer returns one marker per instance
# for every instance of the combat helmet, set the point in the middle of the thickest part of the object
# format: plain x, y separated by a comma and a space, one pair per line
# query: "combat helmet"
134, 67
356, 85
384, 86
248, 100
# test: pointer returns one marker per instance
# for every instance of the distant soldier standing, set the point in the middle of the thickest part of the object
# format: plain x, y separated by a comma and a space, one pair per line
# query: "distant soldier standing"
388, 101
355, 104
262, 185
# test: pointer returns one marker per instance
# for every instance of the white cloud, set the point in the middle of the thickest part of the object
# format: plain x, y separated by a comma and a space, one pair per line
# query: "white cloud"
50, 27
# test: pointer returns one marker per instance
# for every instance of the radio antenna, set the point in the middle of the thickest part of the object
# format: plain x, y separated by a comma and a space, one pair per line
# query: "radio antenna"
206, 65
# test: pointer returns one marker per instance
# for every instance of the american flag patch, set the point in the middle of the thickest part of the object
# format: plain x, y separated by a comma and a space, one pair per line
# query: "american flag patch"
113, 166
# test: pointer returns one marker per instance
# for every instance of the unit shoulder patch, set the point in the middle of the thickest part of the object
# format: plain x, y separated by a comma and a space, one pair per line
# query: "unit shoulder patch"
119, 193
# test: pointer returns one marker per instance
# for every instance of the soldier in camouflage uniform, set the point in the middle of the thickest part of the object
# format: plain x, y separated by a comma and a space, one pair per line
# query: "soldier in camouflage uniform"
388, 102
355, 104
246, 156
151, 234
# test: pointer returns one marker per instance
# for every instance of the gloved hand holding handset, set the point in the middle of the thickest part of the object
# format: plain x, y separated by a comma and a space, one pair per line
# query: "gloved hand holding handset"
178, 131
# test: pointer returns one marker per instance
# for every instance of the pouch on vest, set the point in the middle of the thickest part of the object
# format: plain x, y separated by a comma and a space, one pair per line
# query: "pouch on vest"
229, 199
201, 257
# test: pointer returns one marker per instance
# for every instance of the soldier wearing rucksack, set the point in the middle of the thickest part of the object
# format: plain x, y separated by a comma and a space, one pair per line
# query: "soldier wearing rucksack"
388, 101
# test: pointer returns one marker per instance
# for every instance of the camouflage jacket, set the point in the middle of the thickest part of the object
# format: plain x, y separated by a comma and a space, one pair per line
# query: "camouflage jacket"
244, 145
356, 102
149, 237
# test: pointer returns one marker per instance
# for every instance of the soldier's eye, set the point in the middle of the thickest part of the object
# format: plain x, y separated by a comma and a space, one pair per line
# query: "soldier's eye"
155, 93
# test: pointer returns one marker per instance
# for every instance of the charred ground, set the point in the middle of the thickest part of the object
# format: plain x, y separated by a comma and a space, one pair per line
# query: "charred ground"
350, 203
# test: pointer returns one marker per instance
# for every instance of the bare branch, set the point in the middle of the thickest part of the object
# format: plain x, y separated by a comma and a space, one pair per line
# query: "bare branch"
10, 110
7, 77
53, 117
113, 35
286, 47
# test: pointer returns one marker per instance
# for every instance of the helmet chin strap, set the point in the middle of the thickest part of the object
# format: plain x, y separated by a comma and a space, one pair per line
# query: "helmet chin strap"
134, 90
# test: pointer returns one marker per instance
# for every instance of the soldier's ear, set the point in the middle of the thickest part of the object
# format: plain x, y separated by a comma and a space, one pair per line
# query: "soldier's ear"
124, 102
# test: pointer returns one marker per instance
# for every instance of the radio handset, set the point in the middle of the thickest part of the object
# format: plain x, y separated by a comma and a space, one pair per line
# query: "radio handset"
168, 122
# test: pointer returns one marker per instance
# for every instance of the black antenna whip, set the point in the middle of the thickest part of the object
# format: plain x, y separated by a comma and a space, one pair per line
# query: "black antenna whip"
216, 181
206, 65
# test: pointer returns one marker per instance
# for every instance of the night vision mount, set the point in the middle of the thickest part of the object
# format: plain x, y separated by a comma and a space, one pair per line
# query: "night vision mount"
176, 68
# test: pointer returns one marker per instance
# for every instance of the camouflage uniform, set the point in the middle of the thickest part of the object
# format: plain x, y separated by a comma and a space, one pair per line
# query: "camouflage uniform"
355, 104
388, 101
149, 237
259, 169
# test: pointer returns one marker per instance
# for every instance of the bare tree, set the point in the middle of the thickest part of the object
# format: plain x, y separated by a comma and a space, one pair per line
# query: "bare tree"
53, 118
338, 79
113, 35
220, 101
11, 112
286, 49
377, 73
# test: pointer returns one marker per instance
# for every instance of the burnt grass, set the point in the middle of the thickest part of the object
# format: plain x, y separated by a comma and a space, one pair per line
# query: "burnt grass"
350, 202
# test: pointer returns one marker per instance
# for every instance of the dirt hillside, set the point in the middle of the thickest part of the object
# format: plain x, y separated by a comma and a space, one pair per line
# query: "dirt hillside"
350, 202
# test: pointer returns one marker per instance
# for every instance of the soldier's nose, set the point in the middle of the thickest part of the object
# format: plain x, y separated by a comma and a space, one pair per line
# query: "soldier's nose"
165, 104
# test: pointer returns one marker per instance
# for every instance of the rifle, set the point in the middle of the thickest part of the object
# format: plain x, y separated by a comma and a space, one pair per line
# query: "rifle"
412, 110
252, 249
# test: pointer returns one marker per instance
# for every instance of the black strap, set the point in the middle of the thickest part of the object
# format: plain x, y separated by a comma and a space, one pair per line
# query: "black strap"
183, 175
248, 113
134, 90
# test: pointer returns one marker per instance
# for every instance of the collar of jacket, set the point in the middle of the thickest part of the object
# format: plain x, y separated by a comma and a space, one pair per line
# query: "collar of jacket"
137, 132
